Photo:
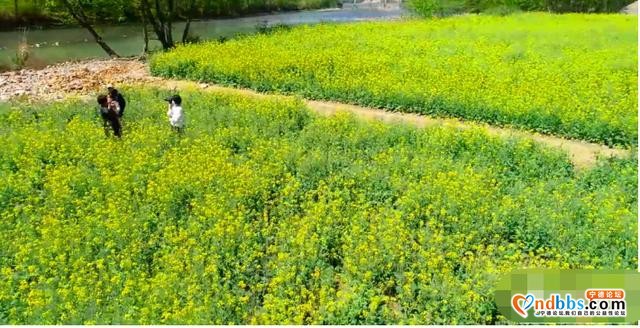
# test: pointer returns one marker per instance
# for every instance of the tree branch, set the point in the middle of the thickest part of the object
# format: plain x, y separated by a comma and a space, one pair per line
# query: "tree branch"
185, 33
79, 15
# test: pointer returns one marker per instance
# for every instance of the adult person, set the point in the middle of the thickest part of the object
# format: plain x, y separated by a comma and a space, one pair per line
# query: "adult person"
175, 113
109, 116
115, 95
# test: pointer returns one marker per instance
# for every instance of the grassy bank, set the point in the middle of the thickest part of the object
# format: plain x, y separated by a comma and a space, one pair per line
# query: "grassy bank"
265, 213
572, 75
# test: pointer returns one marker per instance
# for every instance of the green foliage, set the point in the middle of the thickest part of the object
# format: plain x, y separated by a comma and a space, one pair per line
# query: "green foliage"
587, 6
265, 28
29, 11
46, 11
118, 11
562, 74
428, 8
264, 213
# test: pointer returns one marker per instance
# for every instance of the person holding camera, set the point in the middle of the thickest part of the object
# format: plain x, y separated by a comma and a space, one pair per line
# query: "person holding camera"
175, 113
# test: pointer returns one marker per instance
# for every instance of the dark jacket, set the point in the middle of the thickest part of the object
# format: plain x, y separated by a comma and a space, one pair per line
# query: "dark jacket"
112, 118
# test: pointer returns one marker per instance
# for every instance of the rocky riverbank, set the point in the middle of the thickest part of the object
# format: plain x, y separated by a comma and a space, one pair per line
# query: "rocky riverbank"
74, 78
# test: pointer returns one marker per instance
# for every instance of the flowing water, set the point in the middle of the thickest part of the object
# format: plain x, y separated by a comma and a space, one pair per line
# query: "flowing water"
50, 46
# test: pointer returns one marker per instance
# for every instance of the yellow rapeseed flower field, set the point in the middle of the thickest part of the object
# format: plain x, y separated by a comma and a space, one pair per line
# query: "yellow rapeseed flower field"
574, 75
263, 213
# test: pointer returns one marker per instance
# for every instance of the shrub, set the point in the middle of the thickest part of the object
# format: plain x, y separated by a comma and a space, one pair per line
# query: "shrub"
428, 8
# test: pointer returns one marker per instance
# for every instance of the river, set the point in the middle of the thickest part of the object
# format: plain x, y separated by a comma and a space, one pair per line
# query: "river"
50, 46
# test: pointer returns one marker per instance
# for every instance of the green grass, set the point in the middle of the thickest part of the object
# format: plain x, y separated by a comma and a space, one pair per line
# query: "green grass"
572, 75
265, 213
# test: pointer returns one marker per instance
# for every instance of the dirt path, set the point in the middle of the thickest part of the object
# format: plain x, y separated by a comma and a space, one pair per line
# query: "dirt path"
60, 81
583, 154
631, 9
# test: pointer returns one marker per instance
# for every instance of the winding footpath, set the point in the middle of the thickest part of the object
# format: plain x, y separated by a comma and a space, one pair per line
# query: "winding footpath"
84, 78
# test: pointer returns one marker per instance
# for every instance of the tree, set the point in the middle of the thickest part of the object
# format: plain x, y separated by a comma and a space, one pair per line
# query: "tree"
75, 9
15, 8
185, 33
161, 14
157, 19
145, 33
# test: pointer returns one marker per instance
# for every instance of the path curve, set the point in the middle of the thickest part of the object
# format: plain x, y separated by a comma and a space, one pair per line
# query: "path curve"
582, 154
85, 78
631, 9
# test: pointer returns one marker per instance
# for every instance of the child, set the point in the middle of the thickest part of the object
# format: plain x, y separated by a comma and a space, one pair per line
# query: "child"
116, 96
109, 116
113, 104
175, 113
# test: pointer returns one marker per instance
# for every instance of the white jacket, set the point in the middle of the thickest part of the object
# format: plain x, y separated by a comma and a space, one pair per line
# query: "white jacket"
176, 116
